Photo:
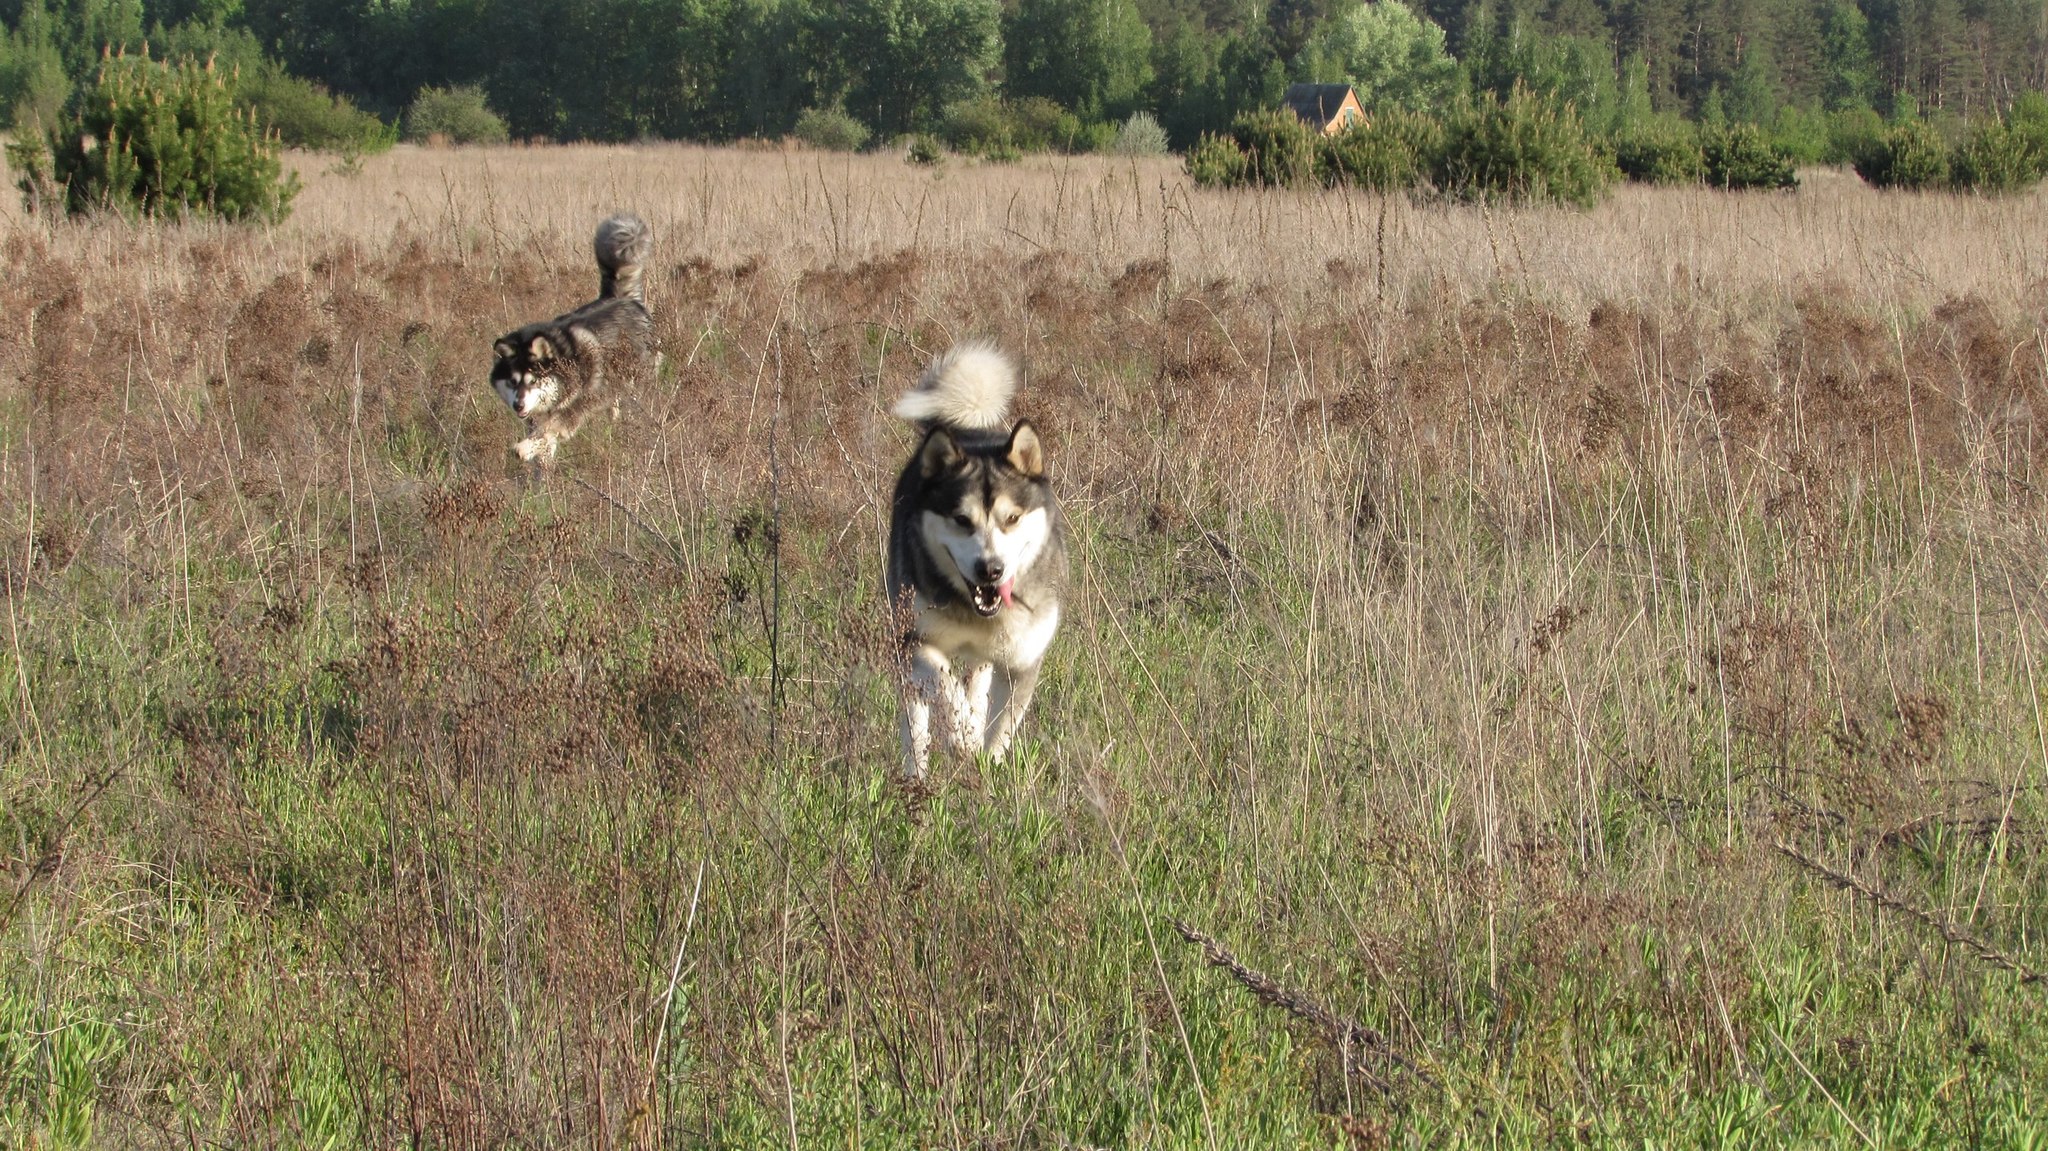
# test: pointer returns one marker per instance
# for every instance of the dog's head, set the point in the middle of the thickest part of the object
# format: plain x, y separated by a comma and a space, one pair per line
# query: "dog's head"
987, 506
527, 373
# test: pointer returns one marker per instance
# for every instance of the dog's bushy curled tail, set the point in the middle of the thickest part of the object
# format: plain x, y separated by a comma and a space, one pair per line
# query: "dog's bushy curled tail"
968, 386
622, 245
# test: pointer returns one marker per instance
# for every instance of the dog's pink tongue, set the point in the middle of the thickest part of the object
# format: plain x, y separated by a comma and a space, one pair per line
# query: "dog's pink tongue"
1003, 590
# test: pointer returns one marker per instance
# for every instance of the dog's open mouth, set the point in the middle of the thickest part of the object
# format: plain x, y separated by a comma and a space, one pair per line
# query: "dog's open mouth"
989, 598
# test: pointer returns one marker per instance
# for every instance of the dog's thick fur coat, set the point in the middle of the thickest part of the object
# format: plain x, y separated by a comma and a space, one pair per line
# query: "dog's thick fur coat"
557, 373
977, 557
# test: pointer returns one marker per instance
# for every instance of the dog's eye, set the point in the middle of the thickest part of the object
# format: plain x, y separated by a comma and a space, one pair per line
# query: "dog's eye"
1012, 520
964, 522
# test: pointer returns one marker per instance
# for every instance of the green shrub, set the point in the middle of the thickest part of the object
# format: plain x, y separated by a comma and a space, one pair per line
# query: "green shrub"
157, 139
1800, 135
457, 115
1217, 162
1279, 149
975, 126
1994, 159
302, 113
1742, 156
925, 151
831, 130
986, 126
1140, 135
1521, 148
1037, 124
1853, 132
1099, 137
306, 115
33, 86
2028, 120
1910, 154
1394, 149
1659, 150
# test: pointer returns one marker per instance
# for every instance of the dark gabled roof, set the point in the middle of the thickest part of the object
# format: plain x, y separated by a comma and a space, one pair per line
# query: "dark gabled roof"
1316, 103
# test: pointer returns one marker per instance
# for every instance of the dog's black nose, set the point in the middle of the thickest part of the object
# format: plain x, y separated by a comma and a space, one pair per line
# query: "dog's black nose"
988, 571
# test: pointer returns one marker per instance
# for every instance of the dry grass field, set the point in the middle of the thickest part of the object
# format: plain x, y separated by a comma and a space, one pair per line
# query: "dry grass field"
1584, 672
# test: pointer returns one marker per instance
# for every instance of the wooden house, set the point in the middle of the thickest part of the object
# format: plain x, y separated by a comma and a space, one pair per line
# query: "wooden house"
1328, 108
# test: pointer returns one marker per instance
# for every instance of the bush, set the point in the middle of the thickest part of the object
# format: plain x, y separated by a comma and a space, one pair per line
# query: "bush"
1521, 148
33, 86
1911, 154
1994, 159
1140, 135
992, 128
1279, 149
1800, 135
302, 113
457, 115
831, 130
925, 151
306, 115
971, 125
1741, 156
1217, 162
157, 139
1395, 149
1037, 124
1659, 150
1097, 137
2028, 120
1853, 132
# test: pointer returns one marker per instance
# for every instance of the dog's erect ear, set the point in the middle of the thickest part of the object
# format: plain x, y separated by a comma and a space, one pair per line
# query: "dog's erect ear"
1025, 453
504, 350
541, 350
939, 454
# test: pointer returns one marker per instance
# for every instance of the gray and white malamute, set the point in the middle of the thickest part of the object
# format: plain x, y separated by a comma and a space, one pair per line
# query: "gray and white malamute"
558, 373
977, 556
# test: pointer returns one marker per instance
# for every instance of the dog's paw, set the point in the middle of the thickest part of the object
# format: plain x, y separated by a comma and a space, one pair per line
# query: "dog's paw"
535, 448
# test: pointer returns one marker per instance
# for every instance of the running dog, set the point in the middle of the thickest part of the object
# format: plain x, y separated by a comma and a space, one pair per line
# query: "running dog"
559, 372
977, 557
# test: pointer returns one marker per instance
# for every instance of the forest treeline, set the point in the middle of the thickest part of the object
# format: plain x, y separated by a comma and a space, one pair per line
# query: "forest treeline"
725, 69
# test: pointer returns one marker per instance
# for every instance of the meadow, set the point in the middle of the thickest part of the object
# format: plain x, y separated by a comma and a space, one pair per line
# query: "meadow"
1532, 678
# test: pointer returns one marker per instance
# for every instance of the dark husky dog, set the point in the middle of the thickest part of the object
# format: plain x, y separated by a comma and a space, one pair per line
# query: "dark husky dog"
558, 372
977, 556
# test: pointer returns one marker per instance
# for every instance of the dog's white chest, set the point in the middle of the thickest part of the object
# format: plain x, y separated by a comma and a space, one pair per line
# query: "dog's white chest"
1014, 637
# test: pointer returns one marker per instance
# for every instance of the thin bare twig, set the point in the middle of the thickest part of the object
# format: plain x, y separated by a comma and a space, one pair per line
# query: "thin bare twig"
1347, 1035
674, 550
1946, 928
1823, 1088
43, 866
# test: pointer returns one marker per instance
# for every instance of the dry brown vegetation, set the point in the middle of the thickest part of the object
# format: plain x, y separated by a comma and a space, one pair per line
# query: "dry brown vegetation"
1468, 601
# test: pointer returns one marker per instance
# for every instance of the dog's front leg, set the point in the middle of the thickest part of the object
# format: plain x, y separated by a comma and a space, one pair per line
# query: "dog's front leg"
1012, 695
930, 682
972, 718
917, 732
538, 445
